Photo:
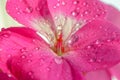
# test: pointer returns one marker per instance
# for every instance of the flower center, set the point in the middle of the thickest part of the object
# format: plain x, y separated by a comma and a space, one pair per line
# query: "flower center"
58, 36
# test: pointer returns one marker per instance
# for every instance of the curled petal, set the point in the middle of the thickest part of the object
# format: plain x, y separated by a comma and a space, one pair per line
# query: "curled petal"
96, 45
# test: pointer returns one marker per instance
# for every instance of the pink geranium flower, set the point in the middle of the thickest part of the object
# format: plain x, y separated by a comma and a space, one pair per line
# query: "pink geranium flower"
60, 40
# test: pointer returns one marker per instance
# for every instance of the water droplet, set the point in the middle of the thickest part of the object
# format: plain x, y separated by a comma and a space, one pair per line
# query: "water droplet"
97, 42
108, 40
75, 2
54, 7
63, 3
38, 9
6, 34
74, 39
58, 4
88, 47
92, 60
85, 4
30, 73
48, 69
0, 49
23, 56
37, 48
9, 75
28, 10
23, 50
29, 61
58, 60
74, 13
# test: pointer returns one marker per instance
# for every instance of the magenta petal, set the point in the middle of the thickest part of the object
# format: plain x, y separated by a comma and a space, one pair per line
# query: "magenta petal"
79, 9
11, 43
4, 76
94, 46
28, 11
98, 75
115, 71
41, 64
113, 17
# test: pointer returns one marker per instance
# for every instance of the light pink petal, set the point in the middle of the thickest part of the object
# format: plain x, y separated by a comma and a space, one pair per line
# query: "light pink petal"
41, 64
78, 9
115, 71
94, 46
28, 11
98, 75
113, 15
11, 43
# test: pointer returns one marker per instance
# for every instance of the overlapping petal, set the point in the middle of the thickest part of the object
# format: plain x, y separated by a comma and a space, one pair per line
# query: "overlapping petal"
94, 46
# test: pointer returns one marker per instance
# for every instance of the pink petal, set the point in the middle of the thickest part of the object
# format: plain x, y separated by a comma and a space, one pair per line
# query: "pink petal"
27, 11
113, 15
79, 9
29, 58
115, 71
11, 43
41, 64
94, 46
98, 75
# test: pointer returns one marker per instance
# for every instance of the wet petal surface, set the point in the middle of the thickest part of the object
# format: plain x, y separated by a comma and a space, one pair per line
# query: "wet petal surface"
15, 40
94, 46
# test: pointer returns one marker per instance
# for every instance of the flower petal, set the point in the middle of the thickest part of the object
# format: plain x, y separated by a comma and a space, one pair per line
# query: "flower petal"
113, 17
115, 71
27, 11
79, 9
96, 45
98, 75
29, 57
41, 64
14, 40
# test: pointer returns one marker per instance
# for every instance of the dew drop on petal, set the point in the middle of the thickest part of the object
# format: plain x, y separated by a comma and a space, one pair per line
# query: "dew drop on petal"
28, 10
29, 61
74, 13
76, 2
63, 3
23, 56
6, 34
23, 50
58, 60
48, 68
37, 48
0, 49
